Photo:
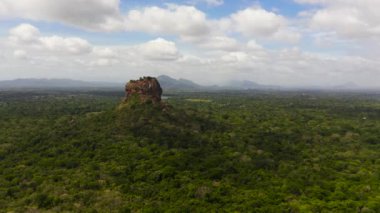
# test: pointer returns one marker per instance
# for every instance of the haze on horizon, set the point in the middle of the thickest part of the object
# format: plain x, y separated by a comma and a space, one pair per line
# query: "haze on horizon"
285, 43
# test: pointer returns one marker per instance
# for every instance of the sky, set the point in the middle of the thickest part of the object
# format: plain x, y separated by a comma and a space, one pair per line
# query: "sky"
273, 42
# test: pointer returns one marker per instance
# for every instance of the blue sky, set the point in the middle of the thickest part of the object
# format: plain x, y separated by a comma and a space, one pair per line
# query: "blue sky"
284, 42
285, 7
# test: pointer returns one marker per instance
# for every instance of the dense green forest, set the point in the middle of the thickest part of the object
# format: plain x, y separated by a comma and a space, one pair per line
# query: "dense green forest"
79, 151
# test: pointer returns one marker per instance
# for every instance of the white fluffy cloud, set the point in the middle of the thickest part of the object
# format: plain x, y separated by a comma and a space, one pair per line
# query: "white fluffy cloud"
159, 49
72, 45
257, 22
99, 15
185, 21
105, 56
219, 43
105, 52
104, 62
26, 34
350, 19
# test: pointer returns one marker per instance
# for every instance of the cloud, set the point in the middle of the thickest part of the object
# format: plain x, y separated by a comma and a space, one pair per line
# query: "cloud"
185, 21
256, 22
103, 62
105, 52
20, 54
67, 48
105, 57
96, 15
105, 15
159, 49
253, 45
291, 67
220, 43
349, 19
260, 23
236, 57
26, 34
220, 49
71, 45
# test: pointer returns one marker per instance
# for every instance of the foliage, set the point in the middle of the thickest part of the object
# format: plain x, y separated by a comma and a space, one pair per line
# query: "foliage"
236, 152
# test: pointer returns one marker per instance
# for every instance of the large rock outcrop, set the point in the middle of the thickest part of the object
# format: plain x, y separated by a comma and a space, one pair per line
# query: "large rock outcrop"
146, 89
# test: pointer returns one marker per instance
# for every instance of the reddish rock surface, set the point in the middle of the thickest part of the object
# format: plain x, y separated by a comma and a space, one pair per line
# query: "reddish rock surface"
146, 89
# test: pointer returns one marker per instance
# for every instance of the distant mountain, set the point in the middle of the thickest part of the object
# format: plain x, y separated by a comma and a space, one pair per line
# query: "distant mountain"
246, 84
166, 82
170, 83
54, 83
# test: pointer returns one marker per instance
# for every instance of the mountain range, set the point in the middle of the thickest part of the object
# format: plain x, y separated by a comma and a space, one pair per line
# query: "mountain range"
170, 83
32, 83
166, 82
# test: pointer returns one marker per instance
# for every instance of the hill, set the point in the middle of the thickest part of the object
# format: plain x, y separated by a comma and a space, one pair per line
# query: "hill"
244, 85
166, 82
54, 83
169, 83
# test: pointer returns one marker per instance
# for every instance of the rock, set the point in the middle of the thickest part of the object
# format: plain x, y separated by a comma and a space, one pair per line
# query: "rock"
145, 89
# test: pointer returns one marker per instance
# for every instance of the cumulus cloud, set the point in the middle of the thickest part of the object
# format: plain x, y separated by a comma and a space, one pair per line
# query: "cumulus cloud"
72, 45
185, 21
220, 43
26, 34
105, 57
349, 19
98, 15
104, 62
258, 22
159, 49
105, 52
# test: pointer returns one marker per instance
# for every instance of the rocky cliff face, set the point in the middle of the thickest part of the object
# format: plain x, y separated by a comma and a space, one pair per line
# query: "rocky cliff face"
145, 89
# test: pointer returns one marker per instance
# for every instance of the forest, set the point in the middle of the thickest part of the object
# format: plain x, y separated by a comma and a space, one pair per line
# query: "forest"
232, 151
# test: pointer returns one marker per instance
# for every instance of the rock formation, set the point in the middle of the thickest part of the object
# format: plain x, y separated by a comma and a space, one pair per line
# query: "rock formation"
145, 89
